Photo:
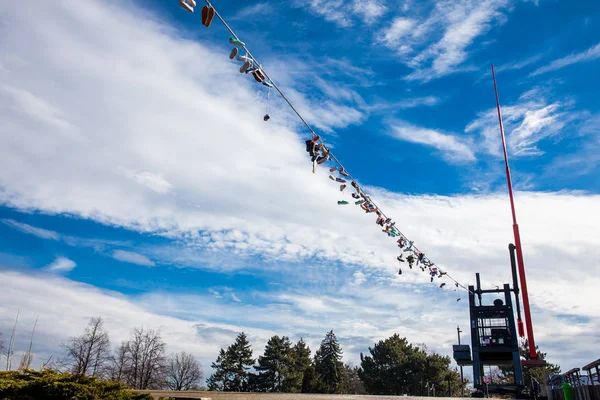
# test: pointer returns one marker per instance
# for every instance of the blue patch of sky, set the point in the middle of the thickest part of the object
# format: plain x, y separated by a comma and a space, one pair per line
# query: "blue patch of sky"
574, 319
84, 242
180, 268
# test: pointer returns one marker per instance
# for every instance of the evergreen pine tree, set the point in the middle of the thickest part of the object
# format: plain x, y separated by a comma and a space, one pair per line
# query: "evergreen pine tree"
301, 362
239, 356
231, 367
328, 364
219, 380
275, 366
396, 367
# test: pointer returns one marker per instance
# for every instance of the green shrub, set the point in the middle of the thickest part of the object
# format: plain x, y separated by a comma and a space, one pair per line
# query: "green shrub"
48, 384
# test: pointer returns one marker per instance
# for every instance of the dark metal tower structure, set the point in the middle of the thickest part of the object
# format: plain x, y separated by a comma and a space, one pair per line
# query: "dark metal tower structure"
494, 339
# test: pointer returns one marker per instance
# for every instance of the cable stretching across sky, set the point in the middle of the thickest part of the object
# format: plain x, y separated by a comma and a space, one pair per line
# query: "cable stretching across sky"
320, 153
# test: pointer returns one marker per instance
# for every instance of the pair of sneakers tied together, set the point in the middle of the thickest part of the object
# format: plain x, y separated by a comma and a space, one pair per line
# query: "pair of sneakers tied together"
208, 13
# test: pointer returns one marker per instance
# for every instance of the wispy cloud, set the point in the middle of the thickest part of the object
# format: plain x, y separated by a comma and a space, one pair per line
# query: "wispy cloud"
369, 10
37, 108
417, 102
152, 181
452, 147
437, 44
332, 11
389, 108
526, 123
343, 13
520, 64
132, 257
255, 11
400, 28
593, 53
31, 230
235, 298
61, 264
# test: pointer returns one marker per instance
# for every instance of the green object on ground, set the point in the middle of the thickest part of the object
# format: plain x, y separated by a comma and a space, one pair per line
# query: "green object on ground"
568, 391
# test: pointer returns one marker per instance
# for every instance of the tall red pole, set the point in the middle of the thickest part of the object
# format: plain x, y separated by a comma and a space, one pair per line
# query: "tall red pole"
522, 277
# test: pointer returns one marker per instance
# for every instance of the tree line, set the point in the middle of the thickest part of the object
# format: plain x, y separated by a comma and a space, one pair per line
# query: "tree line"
391, 367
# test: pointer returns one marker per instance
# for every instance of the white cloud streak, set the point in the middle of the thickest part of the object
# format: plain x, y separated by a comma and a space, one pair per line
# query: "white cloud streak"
452, 147
342, 13
132, 257
61, 264
591, 54
369, 10
438, 44
526, 123
31, 230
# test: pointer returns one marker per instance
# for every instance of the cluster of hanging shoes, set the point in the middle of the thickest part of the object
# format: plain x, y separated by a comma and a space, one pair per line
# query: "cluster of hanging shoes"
320, 154
249, 66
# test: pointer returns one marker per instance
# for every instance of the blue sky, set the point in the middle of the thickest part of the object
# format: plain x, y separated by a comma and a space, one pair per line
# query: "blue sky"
138, 181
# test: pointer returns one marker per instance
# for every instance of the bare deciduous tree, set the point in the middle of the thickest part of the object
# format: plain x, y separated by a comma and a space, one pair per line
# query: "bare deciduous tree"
141, 362
119, 364
183, 372
148, 362
89, 353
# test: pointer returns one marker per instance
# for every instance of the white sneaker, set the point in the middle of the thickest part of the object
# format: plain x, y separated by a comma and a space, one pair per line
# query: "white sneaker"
186, 6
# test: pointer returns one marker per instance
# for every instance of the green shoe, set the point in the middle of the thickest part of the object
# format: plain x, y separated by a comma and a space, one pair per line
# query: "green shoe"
236, 42
341, 202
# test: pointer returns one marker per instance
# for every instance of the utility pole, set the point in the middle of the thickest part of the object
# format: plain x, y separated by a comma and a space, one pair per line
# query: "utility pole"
462, 379
527, 311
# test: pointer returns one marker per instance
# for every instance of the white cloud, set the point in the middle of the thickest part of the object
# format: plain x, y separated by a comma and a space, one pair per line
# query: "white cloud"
61, 264
437, 44
341, 13
593, 53
235, 298
154, 182
369, 10
359, 278
517, 65
398, 30
384, 107
32, 230
332, 11
256, 11
453, 148
526, 123
132, 257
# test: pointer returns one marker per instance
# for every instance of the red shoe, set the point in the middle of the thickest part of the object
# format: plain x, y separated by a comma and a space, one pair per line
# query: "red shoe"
209, 17
204, 15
